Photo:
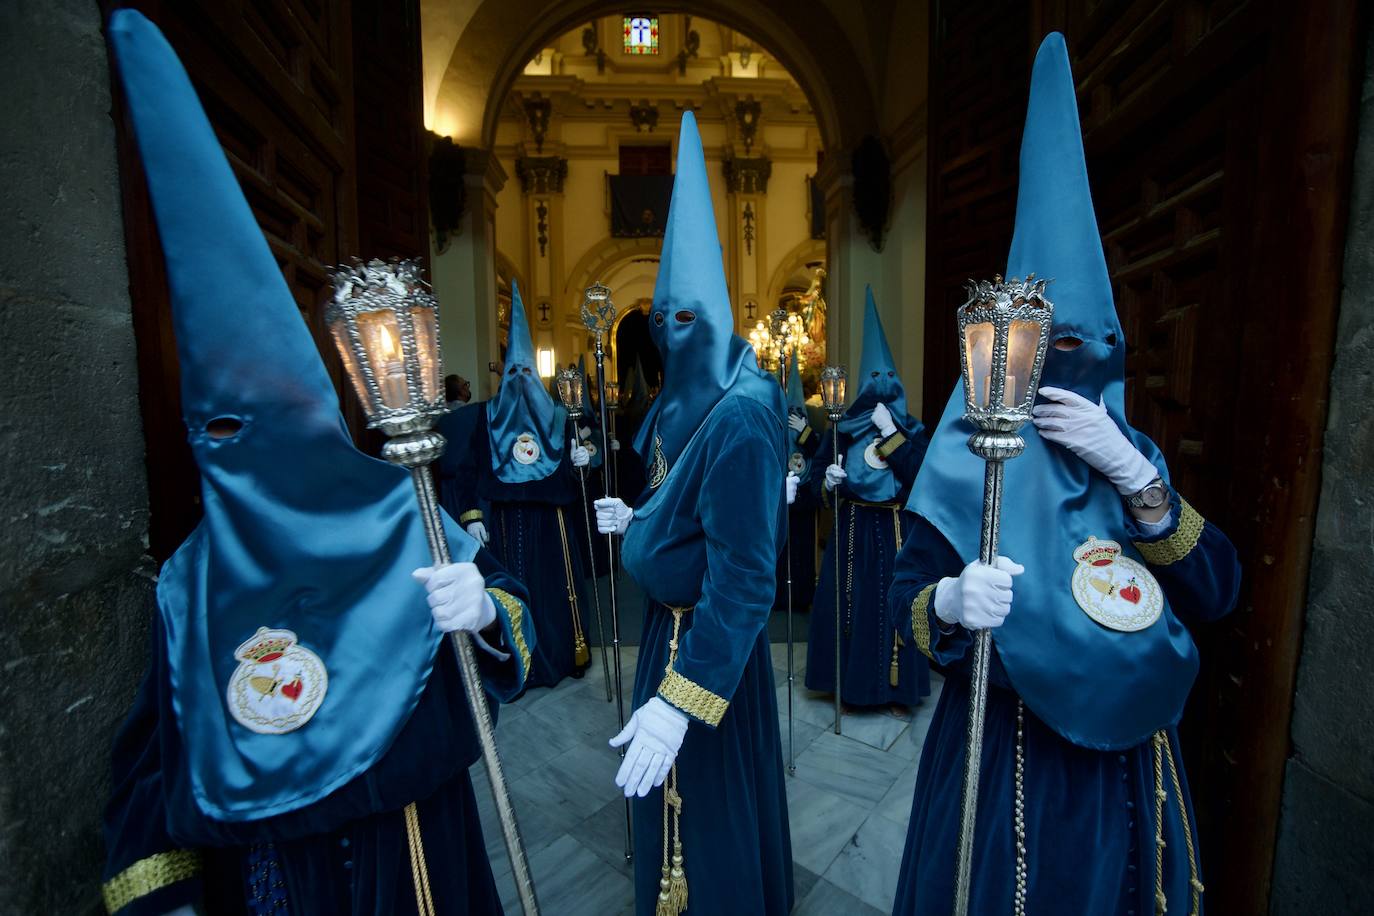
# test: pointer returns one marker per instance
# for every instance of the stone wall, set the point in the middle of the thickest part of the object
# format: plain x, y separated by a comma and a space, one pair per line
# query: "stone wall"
75, 590
1326, 831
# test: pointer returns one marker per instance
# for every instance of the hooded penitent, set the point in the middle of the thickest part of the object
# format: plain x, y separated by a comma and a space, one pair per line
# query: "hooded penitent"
590, 418
869, 478
796, 404
1098, 687
525, 428
691, 323
297, 644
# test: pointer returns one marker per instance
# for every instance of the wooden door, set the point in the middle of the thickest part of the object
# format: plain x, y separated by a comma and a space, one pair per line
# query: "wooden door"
277, 80
1218, 138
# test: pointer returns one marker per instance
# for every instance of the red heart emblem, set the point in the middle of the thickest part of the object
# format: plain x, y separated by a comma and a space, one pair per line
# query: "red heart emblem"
292, 691
1131, 593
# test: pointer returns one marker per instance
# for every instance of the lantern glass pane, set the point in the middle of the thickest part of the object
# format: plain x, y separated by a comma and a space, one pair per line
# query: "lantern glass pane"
339, 331
426, 324
1023, 340
382, 342
978, 341
612, 394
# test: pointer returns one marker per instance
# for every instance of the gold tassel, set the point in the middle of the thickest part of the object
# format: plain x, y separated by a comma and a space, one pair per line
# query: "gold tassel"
894, 670
581, 654
672, 884
677, 888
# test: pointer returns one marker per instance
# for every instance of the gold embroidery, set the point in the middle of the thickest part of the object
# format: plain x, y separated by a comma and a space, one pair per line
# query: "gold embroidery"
515, 611
470, 516
419, 870
1177, 545
692, 698
148, 875
804, 435
920, 620
891, 444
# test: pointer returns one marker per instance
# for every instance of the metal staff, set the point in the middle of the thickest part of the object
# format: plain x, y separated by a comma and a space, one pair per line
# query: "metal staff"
781, 333
1003, 331
598, 314
570, 382
612, 389
385, 323
833, 380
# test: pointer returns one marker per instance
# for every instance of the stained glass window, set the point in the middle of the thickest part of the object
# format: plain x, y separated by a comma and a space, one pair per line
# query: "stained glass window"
641, 34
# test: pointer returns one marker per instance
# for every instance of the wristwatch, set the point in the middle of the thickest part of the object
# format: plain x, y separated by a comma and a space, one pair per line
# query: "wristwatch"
1154, 495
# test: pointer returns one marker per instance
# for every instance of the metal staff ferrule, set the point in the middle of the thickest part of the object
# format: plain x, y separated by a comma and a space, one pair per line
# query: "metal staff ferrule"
385, 323
598, 315
1004, 330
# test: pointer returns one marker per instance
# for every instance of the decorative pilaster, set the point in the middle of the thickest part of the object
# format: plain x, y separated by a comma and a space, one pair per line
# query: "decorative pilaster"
746, 183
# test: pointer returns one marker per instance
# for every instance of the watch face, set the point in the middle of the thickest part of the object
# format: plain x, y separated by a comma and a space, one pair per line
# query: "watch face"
1154, 496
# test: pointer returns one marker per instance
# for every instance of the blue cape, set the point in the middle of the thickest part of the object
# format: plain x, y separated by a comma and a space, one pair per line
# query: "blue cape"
303, 536
691, 323
1097, 687
878, 383
525, 428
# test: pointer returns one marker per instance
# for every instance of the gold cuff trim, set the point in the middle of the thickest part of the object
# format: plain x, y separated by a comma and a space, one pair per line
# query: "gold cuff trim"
891, 444
692, 698
470, 516
920, 620
148, 875
1177, 545
516, 612
804, 435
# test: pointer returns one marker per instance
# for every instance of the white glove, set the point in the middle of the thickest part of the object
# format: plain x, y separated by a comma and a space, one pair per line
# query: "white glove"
882, 419
1087, 430
796, 421
655, 733
579, 454
612, 515
792, 483
458, 597
980, 598
834, 474
478, 531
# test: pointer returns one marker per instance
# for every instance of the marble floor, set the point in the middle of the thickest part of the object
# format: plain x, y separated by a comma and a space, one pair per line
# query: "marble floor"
848, 803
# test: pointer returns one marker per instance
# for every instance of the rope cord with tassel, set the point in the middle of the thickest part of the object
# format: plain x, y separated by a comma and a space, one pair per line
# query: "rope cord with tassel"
582, 654
672, 884
419, 871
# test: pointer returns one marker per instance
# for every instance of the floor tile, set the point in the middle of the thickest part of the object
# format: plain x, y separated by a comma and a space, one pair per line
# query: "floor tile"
866, 866
821, 823
571, 880
877, 728
826, 899
849, 769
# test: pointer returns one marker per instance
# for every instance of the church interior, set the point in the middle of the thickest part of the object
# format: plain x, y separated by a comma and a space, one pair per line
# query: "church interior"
531, 146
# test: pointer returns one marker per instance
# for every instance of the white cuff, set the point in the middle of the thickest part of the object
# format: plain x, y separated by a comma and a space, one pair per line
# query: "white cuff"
1154, 529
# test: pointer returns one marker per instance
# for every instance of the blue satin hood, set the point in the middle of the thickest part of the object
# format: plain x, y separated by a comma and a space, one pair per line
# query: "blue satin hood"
302, 536
691, 323
1097, 687
525, 428
878, 383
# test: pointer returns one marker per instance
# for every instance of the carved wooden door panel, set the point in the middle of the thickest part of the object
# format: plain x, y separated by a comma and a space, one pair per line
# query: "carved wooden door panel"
277, 79
1218, 138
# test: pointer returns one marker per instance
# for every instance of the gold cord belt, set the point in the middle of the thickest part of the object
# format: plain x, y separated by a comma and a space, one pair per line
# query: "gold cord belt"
419, 871
1164, 751
581, 653
672, 883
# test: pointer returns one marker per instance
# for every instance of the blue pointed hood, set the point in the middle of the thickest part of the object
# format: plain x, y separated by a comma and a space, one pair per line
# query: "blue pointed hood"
796, 395
691, 322
1097, 687
290, 608
869, 477
524, 424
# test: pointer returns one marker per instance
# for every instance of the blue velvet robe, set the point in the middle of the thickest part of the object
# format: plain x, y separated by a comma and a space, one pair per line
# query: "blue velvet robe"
523, 523
345, 854
867, 546
708, 537
1089, 815
801, 537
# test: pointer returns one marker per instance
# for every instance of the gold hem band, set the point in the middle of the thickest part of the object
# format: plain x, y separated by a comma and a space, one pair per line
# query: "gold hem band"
1177, 545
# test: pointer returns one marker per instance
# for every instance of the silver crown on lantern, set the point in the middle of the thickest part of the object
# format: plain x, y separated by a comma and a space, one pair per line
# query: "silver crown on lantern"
385, 323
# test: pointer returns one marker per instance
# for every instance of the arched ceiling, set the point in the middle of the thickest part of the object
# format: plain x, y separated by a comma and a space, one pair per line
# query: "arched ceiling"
498, 37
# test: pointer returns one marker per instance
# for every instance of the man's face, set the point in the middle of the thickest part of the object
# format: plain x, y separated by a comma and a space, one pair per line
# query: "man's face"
464, 390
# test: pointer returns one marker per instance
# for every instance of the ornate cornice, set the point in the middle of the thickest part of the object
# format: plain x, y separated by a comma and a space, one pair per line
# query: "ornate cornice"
541, 174
747, 175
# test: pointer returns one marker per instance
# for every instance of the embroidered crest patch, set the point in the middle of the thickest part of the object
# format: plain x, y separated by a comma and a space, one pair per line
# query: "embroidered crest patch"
873, 459
796, 464
278, 685
591, 448
659, 470
526, 449
1115, 590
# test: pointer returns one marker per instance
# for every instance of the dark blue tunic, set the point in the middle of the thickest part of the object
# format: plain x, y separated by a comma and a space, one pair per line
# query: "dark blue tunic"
801, 536
708, 538
346, 854
534, 534
1089, 815
870, 536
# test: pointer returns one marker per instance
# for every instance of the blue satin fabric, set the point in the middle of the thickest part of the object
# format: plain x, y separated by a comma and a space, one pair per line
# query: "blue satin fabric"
1097, 687
301, 531
523, 406
878, 383
690, 323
